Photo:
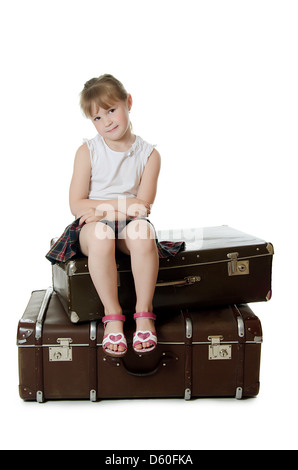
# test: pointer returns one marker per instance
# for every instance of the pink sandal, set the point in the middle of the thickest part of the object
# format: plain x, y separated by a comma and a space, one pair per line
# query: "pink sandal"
147, 336
114, 338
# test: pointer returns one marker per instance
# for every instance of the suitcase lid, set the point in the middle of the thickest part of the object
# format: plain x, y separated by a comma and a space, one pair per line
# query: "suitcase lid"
233, 323
202, 245
211, 244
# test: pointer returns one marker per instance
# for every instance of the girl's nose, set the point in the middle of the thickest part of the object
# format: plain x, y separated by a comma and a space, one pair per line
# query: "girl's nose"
107, 121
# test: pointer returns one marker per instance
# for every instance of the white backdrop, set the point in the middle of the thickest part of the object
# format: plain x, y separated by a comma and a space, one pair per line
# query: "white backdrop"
214, 85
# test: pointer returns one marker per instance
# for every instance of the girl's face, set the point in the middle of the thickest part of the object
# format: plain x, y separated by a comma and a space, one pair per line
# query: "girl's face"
113, 123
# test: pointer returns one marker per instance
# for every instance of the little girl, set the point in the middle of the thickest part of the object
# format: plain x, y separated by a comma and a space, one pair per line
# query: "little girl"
112, 190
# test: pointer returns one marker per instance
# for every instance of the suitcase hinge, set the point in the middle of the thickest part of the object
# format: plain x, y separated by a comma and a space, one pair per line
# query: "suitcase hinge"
62, 352
237, 267
218, 350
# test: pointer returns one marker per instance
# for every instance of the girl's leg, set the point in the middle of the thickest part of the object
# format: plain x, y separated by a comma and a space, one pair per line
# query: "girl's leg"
97, 242
138, 240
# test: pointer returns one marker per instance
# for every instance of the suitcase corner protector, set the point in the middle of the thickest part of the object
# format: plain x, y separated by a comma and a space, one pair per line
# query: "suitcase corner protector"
270, 248
74, 317
71, 268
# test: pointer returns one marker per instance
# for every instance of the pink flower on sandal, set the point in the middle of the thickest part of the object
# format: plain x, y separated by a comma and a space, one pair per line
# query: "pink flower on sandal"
112, 339
146, 336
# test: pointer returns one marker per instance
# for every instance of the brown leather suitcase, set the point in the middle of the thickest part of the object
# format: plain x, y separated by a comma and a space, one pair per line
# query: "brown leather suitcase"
219, 266
206, 353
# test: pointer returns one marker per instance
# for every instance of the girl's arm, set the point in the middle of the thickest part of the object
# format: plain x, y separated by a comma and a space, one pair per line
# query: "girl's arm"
148, 186
80, 183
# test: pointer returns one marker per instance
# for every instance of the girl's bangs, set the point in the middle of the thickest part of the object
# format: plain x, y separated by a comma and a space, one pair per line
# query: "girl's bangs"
100, 95
104, 101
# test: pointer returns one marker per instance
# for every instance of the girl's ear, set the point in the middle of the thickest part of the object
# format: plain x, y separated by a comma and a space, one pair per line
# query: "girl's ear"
129, 102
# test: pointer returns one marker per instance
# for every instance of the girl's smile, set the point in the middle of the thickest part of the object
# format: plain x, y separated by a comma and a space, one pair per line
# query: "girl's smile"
113, 129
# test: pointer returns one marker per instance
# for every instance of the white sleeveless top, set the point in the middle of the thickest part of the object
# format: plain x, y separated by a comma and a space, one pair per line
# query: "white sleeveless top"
116, 174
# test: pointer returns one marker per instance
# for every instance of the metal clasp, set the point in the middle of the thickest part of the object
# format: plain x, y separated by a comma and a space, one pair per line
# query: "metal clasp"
217, 350
237, 267
62, 352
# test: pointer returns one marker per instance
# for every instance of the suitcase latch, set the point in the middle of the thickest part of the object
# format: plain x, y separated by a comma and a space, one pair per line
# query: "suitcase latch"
62, 352
217, 350
237, 267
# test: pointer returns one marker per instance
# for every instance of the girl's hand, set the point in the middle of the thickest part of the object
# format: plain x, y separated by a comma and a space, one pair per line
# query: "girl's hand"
139, 209
89, 216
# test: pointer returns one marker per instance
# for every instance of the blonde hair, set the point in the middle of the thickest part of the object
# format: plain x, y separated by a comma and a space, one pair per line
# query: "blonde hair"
104, 91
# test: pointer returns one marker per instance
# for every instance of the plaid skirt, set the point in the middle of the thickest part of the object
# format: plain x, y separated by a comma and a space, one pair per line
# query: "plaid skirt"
67, 246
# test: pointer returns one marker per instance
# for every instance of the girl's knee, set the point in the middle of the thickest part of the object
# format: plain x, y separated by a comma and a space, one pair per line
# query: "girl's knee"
98, 239
103, 232
140, 230
141, 237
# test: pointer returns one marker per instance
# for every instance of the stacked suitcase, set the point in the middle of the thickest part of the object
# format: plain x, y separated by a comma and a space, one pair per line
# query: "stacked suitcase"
209, 339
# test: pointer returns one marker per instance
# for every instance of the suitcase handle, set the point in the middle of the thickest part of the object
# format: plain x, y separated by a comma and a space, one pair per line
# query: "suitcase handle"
187, 281
164, 361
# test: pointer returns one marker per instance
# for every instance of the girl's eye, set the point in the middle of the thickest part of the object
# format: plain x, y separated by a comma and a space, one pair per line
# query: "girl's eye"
97, 118
112, 111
